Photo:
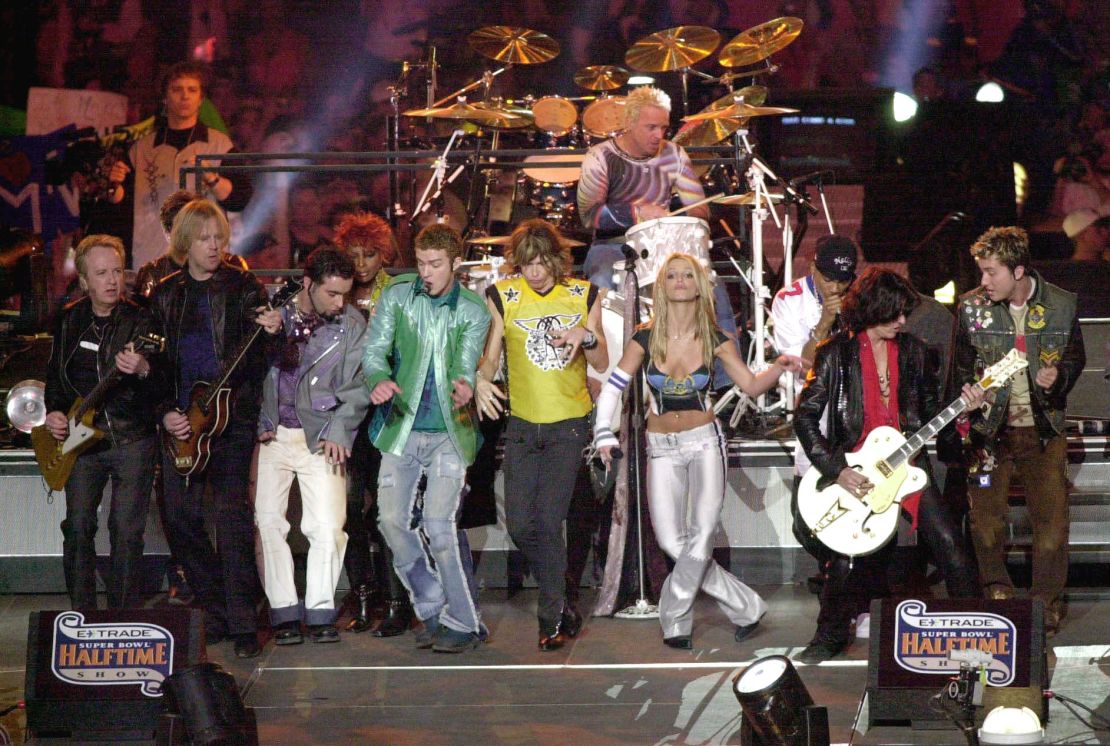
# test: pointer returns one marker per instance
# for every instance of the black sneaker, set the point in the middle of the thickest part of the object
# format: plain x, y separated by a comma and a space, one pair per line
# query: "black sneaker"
246, 645
323, 633
818, 652
449, 640
288, 633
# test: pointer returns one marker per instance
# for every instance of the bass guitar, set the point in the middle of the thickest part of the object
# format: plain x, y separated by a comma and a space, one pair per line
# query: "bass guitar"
854, 525
57, 457
210, 403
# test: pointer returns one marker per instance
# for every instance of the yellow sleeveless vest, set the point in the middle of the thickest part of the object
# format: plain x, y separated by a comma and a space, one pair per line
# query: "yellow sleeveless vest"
543, 388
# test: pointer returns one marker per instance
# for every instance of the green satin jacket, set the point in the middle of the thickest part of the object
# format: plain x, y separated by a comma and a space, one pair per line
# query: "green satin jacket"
406, 330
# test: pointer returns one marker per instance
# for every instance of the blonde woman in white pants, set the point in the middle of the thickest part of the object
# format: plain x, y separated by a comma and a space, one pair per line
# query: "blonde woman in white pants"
685, 447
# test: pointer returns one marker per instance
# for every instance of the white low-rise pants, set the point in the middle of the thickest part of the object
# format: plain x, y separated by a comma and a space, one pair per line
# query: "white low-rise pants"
323, 488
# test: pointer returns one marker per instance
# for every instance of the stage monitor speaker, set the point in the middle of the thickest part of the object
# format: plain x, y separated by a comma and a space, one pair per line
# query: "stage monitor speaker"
910, 641
99, 675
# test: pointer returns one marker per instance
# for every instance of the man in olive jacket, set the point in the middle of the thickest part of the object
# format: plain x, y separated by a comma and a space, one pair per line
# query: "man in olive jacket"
420, 362
1022, 430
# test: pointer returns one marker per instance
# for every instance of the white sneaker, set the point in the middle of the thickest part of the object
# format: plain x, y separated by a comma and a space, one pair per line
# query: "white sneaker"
863, 626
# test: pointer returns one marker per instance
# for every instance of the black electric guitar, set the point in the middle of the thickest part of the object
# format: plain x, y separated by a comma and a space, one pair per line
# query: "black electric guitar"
210, 403
57, 457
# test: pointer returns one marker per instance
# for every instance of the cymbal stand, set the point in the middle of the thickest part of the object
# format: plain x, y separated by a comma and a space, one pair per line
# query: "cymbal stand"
438, 178
684, 72
486, 80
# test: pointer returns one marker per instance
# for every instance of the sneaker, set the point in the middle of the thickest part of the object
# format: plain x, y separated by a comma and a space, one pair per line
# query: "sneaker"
863, 626
426, 633
818, 652
288, 633
449, 640
323, 633
744, 631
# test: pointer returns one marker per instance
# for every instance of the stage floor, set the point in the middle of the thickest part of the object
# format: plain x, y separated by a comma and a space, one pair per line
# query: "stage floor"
615, 684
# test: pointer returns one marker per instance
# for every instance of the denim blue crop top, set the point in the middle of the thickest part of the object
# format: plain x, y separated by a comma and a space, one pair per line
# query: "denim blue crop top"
669, 394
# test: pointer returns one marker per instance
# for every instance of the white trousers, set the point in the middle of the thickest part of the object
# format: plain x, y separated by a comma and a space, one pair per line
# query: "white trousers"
686, 490
323, 490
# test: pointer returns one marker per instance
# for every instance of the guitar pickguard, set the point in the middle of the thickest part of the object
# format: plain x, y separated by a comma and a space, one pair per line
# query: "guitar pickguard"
79, 435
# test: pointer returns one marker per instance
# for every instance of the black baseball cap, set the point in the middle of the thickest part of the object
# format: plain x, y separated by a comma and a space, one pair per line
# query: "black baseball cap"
836, 258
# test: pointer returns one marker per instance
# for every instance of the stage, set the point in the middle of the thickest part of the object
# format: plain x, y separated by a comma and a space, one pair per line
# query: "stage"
615, 684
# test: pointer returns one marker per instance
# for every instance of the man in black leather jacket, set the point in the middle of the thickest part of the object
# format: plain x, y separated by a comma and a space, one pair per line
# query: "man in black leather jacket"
874, 312
206, 311
93, 335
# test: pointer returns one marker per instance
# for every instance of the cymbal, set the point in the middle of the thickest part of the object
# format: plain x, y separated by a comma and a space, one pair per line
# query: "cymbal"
462, 110
601, 77
514, 44
506, 240
515, 117
672, 49
748, 198
760, 42
712, 131
741, 111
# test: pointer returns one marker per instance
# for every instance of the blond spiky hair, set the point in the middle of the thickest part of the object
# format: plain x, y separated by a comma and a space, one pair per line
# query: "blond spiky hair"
645, 95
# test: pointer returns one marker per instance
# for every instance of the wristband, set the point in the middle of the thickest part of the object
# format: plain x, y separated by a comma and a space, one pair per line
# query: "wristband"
589, 342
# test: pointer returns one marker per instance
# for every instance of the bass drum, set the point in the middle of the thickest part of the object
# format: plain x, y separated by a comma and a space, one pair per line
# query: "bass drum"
604, 118
655, 240
550, 184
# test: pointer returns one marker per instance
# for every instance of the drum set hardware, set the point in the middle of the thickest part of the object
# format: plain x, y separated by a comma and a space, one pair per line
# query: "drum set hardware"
760, 42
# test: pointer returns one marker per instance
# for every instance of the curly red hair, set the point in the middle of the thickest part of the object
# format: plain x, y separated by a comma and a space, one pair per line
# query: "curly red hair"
370, 231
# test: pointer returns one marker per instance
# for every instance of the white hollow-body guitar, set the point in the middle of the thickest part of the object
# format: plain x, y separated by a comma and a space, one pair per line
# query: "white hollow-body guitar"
856, 526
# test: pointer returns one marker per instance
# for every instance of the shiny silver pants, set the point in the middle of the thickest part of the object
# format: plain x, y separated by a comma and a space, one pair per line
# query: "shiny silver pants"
686, 489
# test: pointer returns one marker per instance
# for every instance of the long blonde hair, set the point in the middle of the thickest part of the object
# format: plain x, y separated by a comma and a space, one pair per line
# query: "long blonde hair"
705, 323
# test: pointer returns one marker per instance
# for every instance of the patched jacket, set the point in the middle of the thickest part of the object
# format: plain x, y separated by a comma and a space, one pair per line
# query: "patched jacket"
1052, 336
331, 397
406, 330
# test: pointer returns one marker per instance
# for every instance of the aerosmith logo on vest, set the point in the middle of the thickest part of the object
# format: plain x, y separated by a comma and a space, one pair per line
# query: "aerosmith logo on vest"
541, 352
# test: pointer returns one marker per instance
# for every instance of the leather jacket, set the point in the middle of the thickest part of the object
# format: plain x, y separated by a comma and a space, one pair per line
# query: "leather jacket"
406, 329
233, 294
1052, 331
836, 382
128, 413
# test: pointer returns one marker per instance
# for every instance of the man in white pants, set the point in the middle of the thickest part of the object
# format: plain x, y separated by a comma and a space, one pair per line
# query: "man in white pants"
312, 403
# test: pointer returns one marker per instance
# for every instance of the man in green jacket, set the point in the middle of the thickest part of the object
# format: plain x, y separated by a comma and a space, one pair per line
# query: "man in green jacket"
420, 362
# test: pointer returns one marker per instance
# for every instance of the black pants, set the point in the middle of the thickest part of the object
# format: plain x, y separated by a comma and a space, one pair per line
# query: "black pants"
224, 578
541, 466
131, 469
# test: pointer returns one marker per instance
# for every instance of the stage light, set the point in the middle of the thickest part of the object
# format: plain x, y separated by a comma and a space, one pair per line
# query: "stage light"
778, 710
946, 294
641, 80
905, 107
990, 93
1021, 185
1011, 725
207, 700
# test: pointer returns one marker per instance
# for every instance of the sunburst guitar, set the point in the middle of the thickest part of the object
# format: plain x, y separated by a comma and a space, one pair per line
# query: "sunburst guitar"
854, 525
57, 457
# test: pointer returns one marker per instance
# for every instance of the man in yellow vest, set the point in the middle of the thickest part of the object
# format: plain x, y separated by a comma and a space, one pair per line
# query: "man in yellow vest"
542, 320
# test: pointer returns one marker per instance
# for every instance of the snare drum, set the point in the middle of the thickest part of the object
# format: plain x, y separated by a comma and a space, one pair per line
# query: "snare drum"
655, 240
478, 276
604, 118
555, 115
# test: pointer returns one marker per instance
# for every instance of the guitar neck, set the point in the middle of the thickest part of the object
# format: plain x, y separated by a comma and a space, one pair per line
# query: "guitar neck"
96, 396
231, 365
918, 440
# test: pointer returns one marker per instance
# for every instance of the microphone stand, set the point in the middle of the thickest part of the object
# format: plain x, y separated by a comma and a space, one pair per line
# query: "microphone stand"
438, 178
643, 608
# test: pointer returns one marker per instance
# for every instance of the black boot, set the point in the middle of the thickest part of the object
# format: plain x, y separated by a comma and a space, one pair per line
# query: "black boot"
364, 606
397, 620
398, 609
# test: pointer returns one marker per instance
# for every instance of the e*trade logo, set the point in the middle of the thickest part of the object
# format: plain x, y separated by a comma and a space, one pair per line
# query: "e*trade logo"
923, 640
130, 653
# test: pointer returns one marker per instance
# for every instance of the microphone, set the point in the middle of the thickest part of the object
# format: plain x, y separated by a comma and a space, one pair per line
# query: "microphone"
810, 178
631, 254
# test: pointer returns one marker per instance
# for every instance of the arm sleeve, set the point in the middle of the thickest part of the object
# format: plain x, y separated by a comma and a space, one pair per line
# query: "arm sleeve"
608, 401
686, 184
353, 395
807, 418
1070, 365
475, 328
55, 398
379, 338
593, 193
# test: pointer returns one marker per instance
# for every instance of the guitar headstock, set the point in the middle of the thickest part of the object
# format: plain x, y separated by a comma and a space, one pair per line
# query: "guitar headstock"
147, 343
286, 292
1001, 372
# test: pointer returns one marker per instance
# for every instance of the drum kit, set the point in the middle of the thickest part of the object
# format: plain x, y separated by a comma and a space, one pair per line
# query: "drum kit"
547, 176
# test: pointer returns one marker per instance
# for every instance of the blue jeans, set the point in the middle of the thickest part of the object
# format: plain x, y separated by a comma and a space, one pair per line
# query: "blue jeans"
131, 469
598, 269
437, 584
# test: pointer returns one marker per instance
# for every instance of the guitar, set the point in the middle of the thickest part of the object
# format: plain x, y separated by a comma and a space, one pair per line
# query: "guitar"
210, 403
855, 526
57, 457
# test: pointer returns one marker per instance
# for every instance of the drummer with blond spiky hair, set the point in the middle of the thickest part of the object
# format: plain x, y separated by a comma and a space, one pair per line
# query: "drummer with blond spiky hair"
632, 178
